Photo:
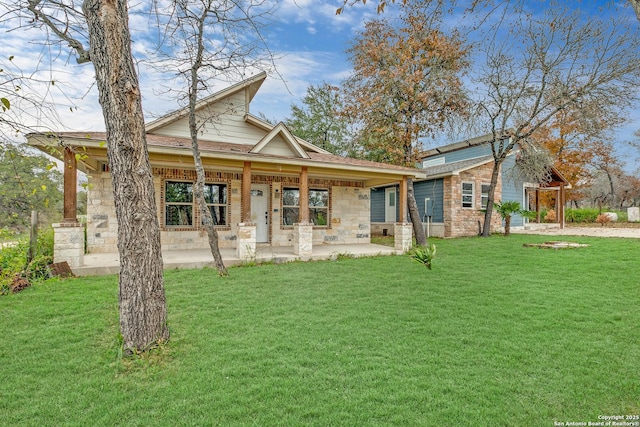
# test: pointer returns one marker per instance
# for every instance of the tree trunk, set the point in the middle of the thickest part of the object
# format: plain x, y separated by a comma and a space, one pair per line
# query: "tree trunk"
418, 229
205, 213
507, 225
143, 314
486, 228
207, 219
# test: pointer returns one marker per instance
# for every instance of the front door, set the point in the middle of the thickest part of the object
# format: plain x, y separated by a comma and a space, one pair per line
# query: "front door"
390, 204
260, 211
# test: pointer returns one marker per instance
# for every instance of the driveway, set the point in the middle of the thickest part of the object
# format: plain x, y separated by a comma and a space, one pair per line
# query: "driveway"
585, 231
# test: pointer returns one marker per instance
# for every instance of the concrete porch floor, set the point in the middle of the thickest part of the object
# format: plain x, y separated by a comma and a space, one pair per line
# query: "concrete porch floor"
109, 263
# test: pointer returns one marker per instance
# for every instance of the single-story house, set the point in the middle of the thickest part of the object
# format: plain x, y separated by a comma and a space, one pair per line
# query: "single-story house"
453, 196
264, 185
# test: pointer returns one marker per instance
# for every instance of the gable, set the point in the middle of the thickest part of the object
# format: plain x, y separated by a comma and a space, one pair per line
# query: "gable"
280, 142
223, 121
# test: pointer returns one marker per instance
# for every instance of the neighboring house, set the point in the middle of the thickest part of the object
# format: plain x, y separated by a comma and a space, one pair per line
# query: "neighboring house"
453, 197
263, 184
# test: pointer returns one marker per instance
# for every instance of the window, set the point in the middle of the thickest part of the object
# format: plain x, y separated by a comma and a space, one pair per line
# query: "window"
318, 206
216, 197
484, 197
180, 203
290, 205
178, 197
467, 194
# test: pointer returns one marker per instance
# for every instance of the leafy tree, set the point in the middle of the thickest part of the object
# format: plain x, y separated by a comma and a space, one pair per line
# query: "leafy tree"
27, 182
405, 84
320, 122
143, 315
557, 62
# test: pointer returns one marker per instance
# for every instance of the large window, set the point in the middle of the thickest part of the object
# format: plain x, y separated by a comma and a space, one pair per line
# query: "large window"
484, 196
180, 203
290, 206
467, 194
318, 206
216, 197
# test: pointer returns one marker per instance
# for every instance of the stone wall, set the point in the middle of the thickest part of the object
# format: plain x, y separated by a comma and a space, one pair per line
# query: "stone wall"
102, 226
349, 213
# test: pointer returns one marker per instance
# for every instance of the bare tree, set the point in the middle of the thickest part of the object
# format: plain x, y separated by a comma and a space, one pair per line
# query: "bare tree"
143, 316
204, 40
548, 64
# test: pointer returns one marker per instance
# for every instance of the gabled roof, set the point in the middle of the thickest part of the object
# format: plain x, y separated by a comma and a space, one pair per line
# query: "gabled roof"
253, 120
472, 142
268, 144
251, 85
455, 168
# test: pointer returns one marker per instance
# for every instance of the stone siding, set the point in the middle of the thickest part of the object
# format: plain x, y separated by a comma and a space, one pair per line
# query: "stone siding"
102, 226
459, 221
349, 212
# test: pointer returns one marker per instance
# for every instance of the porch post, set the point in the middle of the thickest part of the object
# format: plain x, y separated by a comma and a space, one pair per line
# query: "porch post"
246, 192
303, 240
68, 236
402, 207
304, 196
538, 205
561, 206
403, 231
246, 249
70, 186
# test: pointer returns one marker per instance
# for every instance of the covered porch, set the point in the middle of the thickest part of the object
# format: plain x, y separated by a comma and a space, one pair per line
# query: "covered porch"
100, 264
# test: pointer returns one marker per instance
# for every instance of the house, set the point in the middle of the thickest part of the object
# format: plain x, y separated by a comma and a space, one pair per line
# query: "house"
453, 197
264, 186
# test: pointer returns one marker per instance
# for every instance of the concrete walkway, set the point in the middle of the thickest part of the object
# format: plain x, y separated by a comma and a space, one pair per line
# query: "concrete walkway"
109, 263
555, 230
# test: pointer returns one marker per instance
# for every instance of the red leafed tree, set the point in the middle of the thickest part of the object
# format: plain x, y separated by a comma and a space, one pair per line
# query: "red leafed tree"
406, 82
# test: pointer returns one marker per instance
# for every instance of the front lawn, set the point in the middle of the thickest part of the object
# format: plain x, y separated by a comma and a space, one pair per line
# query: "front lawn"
497, 334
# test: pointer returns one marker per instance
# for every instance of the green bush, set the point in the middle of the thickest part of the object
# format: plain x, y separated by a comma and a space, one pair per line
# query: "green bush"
13, 259
584, 215
589, 215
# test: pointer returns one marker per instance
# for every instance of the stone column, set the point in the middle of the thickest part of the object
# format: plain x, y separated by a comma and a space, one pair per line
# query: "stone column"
246, 249
403, 237
303, 240
68, 243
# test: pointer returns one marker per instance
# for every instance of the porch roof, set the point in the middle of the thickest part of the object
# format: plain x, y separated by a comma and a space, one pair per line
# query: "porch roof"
169, 151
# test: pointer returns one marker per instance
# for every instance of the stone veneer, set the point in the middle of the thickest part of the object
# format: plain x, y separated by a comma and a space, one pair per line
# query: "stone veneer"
68, 243
348, 215
403, 236
461, 221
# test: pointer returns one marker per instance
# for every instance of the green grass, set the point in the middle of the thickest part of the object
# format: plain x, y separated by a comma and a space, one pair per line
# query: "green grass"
495, 335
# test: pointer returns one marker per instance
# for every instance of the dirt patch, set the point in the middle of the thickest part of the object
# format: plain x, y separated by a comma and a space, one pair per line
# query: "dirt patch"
555, 245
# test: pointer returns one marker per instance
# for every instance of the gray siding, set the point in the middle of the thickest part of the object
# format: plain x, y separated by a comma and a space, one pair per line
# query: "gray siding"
512, 190
432, 189
377, 205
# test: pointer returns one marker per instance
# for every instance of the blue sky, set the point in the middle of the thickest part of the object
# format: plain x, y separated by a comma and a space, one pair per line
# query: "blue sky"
306, 36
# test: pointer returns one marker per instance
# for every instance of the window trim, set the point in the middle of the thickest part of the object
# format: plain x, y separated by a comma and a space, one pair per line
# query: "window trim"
483, 203
196, 216
326, 208
467, 194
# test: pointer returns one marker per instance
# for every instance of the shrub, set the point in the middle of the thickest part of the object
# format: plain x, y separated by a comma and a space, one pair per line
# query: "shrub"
583, 215
550, 216
424, 254
603, 219
13, 260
